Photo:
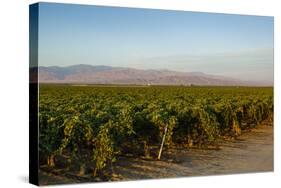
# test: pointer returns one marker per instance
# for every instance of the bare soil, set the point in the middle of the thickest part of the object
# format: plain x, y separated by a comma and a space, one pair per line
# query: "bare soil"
250, 152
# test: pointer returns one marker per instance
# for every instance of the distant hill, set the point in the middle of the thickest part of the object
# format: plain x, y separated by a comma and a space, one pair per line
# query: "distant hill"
88, 74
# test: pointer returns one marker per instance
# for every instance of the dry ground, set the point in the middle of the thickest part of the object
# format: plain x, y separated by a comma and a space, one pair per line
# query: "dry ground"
251, 152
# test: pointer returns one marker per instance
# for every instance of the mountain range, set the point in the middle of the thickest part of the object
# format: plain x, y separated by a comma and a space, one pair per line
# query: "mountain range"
88, 74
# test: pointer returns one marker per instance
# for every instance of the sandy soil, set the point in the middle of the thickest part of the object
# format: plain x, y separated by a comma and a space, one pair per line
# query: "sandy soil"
251, 152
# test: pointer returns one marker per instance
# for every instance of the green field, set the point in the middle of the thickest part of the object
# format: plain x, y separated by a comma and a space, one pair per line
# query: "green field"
91, 126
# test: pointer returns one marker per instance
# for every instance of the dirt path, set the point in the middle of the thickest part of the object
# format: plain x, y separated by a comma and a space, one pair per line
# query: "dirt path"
251, 152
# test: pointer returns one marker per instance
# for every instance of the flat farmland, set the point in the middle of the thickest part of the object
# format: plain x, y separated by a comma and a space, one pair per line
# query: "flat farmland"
99, 133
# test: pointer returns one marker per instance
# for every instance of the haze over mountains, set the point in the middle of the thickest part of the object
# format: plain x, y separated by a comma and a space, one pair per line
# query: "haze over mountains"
88, 74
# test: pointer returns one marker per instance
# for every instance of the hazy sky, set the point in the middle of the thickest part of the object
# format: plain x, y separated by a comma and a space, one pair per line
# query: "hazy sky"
222, 44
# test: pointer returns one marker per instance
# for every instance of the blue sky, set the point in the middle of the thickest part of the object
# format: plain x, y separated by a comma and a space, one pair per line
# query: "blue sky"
230, 45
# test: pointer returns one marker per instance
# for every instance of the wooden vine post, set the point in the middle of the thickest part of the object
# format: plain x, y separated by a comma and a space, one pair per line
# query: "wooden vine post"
163, 140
